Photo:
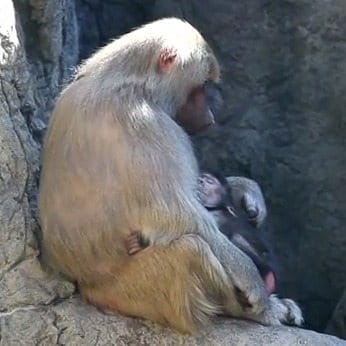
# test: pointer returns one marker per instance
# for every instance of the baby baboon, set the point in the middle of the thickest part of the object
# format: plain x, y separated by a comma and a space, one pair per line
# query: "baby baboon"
117, 158
215, 194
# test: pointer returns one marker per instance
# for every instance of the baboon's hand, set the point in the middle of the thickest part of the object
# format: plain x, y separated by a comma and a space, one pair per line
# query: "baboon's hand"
282, 311
294, 315
247, 195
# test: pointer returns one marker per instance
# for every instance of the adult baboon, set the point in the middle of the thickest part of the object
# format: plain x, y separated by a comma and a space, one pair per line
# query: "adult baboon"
116, 159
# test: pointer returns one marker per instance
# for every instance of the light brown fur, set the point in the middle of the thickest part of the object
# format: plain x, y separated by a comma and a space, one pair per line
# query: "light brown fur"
114, 161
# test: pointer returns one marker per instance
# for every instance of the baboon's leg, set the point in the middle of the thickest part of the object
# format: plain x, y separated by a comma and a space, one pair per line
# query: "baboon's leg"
181, 285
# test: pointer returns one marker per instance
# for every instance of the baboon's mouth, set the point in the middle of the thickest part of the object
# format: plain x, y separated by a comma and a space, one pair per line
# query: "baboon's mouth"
207, 126
201, 129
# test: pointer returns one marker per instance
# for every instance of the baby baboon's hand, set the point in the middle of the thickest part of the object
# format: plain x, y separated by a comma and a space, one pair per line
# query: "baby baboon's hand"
133, 243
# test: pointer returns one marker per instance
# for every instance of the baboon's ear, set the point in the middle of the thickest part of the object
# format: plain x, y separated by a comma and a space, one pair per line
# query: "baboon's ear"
166, 60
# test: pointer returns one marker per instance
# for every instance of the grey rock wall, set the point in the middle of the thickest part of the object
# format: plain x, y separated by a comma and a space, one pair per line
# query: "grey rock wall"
283, 124
337, 324
29, 81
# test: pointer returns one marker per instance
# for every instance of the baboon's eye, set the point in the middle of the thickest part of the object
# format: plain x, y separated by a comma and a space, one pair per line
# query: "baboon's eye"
210, 181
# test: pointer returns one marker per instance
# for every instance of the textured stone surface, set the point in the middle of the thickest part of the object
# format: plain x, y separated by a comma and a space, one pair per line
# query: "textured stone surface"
337, 324
73, 323
283, 124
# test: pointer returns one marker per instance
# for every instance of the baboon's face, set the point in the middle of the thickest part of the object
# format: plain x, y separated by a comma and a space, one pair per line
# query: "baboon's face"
196, 114
211, 192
